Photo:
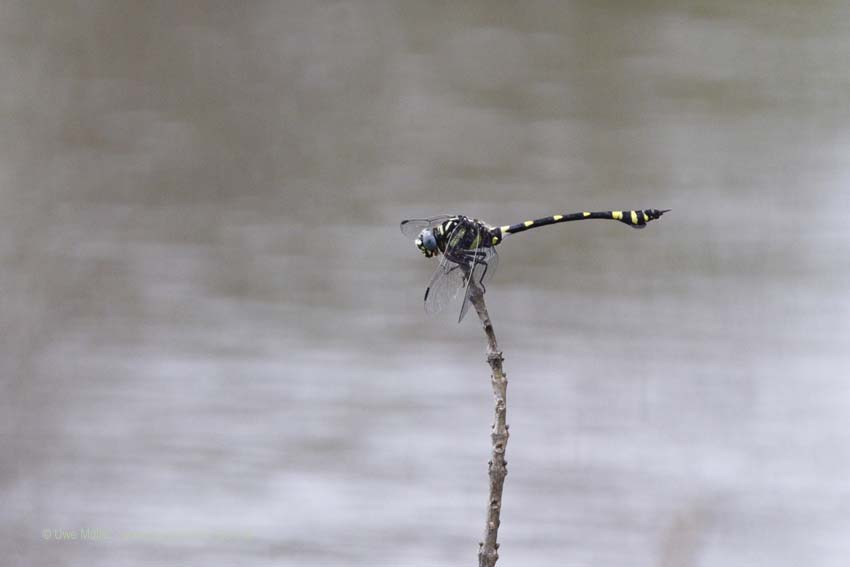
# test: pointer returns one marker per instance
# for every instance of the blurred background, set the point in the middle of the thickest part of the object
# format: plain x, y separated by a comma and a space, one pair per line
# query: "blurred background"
213, 343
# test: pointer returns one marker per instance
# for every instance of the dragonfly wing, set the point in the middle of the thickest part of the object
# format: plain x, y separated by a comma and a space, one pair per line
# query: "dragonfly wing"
447, 281
412, 227
467, 301
449, 277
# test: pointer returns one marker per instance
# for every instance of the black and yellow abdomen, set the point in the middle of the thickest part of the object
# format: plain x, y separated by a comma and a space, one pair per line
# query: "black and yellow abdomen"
635, 219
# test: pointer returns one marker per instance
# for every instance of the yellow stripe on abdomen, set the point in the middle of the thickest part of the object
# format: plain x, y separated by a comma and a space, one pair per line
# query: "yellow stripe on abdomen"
634, 217
617, 215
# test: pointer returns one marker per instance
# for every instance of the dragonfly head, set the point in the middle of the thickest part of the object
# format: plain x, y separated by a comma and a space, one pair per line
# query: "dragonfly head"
427, 243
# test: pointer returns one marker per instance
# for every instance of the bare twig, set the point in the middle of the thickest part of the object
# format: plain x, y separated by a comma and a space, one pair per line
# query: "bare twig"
488, 552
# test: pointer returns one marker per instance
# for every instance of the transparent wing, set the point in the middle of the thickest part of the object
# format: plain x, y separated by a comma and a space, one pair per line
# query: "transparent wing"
412, 227
449, 277
447, 281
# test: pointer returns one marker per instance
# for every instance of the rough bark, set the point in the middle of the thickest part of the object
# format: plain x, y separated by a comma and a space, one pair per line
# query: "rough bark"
488, 552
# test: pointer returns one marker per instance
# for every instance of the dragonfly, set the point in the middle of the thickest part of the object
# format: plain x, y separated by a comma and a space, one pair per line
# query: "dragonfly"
467, 249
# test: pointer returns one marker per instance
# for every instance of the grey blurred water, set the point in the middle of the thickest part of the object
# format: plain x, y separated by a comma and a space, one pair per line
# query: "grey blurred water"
213, 345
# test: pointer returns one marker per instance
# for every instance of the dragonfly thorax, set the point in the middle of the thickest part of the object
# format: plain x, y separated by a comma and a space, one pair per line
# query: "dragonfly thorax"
471, 234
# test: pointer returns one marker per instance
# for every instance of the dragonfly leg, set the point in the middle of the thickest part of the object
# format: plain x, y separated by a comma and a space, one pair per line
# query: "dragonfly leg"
456, 256
480, 281
471, 259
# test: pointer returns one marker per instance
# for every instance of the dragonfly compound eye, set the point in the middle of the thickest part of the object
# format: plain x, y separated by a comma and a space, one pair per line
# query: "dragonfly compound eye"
427, 243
